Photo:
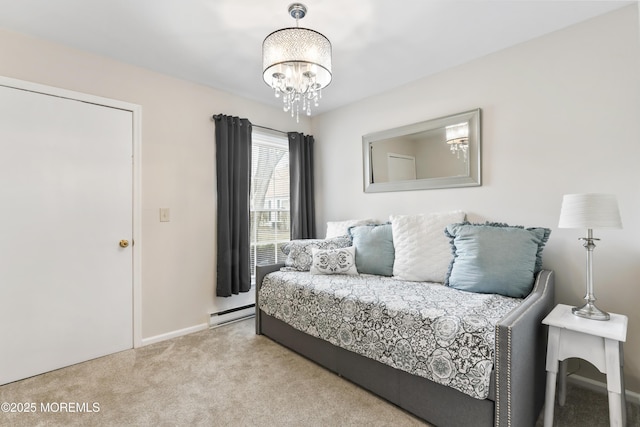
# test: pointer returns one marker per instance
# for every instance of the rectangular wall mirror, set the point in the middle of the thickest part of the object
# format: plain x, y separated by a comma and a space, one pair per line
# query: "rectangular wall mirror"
437, 153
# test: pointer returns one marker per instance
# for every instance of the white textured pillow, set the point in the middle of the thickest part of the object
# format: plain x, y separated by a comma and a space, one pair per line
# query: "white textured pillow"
334, 261
341, 228
422, 250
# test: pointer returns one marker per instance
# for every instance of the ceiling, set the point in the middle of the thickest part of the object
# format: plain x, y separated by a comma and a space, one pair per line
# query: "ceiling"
377, 44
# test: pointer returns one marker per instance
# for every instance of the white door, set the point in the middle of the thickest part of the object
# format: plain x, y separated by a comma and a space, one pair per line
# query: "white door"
66, 285
401, 167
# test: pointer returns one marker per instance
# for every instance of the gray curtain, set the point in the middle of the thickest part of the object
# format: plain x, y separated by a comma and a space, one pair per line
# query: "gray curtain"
303, 217
233, 173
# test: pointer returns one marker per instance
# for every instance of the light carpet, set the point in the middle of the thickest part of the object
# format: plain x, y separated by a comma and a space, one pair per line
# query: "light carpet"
221, 377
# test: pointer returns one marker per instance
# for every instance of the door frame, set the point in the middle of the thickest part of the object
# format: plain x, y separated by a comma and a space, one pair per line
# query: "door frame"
136, 247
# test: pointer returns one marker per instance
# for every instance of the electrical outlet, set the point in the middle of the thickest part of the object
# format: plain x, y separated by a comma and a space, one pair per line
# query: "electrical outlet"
164, 215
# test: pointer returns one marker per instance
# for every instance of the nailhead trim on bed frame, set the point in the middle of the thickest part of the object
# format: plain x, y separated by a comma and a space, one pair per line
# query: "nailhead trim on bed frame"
509, 377
497, 420
498, 373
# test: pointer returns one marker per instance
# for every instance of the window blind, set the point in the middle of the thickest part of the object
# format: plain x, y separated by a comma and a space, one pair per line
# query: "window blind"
269, 202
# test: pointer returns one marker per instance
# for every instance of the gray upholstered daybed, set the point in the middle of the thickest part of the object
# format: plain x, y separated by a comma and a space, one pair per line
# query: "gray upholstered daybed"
437, 315
516, 392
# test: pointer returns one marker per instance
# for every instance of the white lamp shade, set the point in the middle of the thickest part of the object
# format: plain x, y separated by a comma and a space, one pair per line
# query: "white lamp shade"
591, 211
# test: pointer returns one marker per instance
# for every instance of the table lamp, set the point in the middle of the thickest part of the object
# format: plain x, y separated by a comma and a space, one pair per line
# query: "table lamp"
589, 211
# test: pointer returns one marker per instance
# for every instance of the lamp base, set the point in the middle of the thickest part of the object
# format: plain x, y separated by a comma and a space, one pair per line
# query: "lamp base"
590, 311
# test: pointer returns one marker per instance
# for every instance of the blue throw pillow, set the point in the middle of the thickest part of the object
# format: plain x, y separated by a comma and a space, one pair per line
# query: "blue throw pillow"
374, 248
495, 258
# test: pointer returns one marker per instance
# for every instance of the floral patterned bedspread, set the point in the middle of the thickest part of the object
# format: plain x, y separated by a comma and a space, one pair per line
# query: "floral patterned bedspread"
426, 329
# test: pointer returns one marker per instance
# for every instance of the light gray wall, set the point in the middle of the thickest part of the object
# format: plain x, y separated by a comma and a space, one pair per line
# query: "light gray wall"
560, 115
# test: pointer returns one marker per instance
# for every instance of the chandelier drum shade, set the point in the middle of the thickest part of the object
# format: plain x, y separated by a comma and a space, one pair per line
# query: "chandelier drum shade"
296, 63
458, 138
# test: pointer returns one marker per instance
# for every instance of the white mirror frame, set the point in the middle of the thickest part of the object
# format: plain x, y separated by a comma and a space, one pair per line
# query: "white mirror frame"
474, 170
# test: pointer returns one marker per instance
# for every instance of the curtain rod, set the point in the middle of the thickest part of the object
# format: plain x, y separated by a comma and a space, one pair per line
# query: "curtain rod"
215, 116
275, 130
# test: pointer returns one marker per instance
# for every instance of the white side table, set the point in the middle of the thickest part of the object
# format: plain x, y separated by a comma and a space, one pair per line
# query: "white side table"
596, 341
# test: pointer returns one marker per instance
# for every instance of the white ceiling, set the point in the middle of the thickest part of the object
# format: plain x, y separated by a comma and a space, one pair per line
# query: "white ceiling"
377, 44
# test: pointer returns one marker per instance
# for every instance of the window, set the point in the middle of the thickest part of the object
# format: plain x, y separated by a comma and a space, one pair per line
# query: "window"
269, 202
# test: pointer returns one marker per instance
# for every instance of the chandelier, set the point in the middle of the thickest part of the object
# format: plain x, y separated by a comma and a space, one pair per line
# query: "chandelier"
297, 64
458, 139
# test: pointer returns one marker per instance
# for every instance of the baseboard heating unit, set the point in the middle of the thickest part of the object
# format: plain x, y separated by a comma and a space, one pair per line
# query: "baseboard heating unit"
232, 315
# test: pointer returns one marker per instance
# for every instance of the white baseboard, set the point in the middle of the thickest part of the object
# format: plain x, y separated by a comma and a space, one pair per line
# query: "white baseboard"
601, 387
174, 334
215, 320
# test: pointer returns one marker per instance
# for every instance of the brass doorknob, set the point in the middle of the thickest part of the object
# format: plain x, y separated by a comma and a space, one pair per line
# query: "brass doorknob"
124, 243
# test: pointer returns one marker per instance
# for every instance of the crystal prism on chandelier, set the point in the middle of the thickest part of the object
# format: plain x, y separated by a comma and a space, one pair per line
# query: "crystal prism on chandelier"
297, 64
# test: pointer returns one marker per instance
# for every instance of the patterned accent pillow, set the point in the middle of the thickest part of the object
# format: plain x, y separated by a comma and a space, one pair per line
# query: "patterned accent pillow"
334, 261
495, 258
422, 251
299, 255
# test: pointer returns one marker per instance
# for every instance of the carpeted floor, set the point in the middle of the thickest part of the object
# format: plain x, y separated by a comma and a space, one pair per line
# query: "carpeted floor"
222, 377
587, 408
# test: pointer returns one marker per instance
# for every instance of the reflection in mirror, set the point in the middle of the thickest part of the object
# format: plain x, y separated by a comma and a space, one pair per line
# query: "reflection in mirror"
437, 153
420, 155
458, 138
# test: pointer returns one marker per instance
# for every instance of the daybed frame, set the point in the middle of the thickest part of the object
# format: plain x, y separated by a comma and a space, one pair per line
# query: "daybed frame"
517, 388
